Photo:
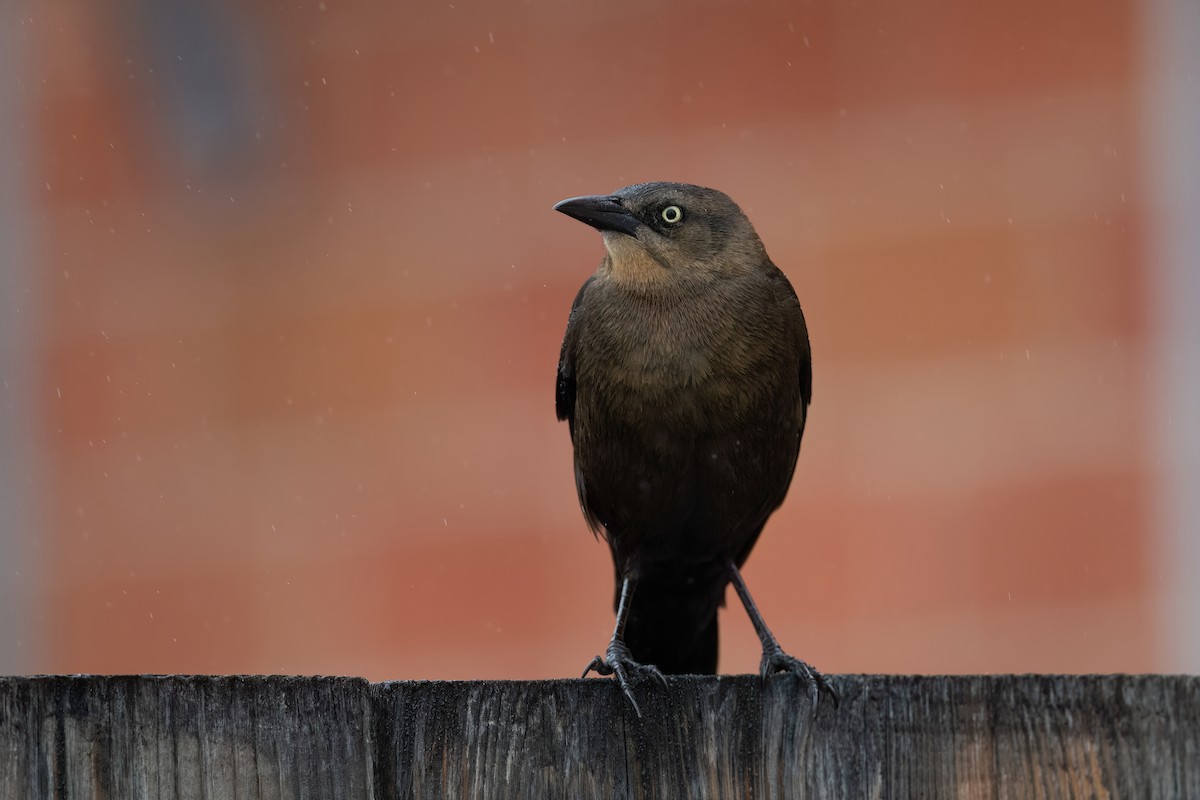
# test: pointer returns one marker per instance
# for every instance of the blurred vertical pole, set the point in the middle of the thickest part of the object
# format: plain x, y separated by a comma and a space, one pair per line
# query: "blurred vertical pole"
1172, 120
19, 476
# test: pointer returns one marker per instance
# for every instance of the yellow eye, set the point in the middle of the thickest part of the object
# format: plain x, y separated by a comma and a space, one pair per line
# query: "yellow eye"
672, 214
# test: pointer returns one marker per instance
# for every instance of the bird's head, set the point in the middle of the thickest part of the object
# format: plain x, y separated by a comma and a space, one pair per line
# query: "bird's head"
665, 233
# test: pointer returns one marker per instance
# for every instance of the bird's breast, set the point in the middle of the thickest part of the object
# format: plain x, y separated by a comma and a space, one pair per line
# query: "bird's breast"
680, 365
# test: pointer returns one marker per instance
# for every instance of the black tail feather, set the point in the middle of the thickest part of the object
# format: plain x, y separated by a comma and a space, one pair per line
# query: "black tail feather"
673, 625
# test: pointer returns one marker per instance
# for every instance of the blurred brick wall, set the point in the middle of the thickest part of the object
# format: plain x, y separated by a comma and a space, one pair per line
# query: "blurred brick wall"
303, 298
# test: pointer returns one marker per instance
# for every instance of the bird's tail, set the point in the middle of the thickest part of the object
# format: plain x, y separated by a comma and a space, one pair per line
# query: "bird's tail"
672, 624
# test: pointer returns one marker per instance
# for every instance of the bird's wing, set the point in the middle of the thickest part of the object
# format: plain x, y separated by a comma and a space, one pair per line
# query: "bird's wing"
786, 294
564, 390
564, 399
805, 378
805, 375
802, 334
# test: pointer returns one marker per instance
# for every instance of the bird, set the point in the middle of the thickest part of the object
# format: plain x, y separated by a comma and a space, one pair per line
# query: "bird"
685, 378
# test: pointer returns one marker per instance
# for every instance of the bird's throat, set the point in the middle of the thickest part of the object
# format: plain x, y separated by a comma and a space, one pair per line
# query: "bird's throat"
631, 265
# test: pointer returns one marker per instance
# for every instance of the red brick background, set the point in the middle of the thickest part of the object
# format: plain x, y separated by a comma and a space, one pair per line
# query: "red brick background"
301, 296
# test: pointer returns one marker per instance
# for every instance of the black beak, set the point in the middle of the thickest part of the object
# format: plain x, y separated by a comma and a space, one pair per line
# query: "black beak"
602, 212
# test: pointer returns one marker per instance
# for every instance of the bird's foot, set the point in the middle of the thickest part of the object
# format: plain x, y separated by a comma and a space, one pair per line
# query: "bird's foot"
775, 660
619, 662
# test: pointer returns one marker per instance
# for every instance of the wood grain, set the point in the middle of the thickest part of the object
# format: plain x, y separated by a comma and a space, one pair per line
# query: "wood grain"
219, 738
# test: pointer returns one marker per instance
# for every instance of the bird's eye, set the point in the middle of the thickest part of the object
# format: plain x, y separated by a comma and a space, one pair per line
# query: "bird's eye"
672, 214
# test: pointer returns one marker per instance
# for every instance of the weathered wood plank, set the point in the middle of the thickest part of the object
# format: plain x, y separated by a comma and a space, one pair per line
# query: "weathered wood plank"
184, 737
218, 738
500, 739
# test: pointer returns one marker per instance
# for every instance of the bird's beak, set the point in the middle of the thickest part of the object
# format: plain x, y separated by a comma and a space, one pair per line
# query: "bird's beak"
602, 212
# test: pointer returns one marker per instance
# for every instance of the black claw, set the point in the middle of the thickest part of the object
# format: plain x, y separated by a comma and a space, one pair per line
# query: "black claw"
775, 660
599, 666
623, 680
827, 687
621, 665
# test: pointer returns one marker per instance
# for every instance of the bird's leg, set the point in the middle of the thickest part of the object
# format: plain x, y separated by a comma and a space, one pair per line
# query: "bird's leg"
617, 659
773, 657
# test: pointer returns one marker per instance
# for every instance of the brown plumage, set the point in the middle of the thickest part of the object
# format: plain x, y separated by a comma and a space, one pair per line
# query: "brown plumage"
685, 377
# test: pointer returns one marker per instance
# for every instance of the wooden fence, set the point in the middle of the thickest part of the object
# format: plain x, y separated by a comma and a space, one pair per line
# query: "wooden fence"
220, 738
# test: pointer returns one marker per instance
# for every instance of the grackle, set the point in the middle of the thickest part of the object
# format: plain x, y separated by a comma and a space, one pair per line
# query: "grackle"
685, 378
